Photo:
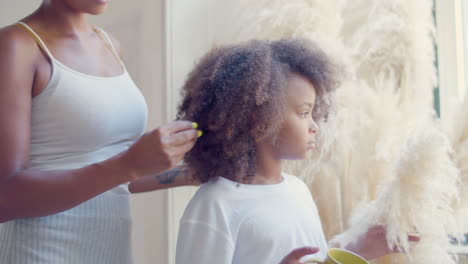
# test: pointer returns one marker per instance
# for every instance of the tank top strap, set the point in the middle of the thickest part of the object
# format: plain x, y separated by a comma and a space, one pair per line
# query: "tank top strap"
109, 44
36, 37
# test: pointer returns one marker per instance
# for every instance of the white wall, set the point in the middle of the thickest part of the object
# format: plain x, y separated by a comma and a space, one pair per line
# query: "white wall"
11, 11
193, 28
139, 25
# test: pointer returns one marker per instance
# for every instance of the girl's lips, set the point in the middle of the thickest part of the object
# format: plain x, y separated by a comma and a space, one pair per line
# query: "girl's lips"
311, 145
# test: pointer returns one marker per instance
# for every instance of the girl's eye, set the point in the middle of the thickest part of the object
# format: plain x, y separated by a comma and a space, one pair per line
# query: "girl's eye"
304, 114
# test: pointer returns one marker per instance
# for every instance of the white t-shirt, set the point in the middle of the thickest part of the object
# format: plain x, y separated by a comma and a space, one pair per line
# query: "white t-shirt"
228, 222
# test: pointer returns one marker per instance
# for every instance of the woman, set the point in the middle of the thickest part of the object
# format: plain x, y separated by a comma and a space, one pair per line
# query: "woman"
71, 124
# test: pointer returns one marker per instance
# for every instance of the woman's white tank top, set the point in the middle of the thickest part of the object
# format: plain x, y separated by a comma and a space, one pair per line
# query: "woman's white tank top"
78, 120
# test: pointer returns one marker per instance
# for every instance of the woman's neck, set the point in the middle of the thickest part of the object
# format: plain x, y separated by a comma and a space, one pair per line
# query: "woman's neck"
62, 20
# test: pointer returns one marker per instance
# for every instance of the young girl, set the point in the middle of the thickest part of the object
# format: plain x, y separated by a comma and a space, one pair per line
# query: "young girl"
256, 104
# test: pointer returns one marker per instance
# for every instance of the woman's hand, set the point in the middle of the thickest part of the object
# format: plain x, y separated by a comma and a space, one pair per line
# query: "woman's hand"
295, 256
161, 149
373, 244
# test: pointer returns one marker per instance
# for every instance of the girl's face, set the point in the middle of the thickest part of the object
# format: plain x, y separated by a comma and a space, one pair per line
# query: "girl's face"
298, 131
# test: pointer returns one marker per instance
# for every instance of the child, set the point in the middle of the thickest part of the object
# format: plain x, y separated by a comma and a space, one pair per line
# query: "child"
256, 104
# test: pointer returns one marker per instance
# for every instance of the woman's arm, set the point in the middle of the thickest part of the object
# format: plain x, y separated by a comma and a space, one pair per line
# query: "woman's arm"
373, 243
30, 193
179, 176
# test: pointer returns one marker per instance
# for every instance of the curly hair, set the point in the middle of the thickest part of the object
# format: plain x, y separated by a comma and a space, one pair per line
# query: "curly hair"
237, 95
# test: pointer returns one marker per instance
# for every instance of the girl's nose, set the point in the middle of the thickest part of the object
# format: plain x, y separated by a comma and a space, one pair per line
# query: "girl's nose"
313, 127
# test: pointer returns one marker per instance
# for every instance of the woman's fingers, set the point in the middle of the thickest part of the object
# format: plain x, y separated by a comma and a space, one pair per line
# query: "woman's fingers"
179, 151
176, 127
181, 138
161, 149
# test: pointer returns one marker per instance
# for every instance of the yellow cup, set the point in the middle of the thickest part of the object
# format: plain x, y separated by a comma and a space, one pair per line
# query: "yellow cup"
340, 256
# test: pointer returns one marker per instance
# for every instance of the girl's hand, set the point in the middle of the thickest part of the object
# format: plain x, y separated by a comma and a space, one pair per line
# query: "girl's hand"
373, 244
161, 149
295, 256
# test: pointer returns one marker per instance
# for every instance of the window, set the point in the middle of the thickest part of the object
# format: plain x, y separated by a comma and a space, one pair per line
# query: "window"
452, 64
451, 59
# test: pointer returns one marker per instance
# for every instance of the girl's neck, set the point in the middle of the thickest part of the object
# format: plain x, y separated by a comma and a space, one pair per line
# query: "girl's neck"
60, 19
267, 177
268, 168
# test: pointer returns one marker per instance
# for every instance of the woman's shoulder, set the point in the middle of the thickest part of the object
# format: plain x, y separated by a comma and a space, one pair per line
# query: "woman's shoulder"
16, 35
15, 41
114, 41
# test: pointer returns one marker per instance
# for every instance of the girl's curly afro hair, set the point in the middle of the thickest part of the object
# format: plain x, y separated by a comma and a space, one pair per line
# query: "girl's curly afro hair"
237, 96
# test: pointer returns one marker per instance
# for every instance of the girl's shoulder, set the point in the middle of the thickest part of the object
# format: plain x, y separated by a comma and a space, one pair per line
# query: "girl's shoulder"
293, 179
216, 187
298, 184
212, 198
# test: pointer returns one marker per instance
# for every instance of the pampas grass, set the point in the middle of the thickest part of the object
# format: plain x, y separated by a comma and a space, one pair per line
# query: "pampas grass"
418, 200
394, 39
317, 20
382, 157
457, 130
